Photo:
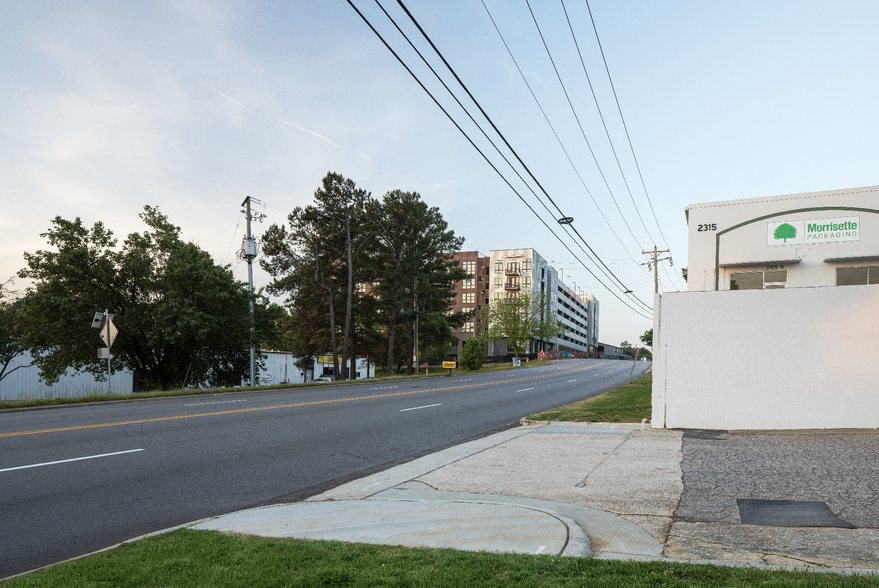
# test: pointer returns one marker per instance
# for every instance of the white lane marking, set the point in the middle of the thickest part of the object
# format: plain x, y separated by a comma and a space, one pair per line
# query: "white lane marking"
524, 389
37, 465
218, 402
385, 388
574, 380
540, 550
418, 407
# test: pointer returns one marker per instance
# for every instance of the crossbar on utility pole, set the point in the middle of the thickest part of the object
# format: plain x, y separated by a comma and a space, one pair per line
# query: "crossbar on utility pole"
655, 263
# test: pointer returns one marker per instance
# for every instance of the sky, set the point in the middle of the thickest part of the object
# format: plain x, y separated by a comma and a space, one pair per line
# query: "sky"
192, 106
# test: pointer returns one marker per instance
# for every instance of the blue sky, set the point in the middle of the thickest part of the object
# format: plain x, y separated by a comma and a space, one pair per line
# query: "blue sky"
192, 106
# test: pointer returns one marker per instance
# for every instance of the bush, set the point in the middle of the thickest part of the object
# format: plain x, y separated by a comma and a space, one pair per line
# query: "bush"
473, 355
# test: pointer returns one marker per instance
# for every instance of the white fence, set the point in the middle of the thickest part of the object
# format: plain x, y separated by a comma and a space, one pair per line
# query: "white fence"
25, 383
796, 358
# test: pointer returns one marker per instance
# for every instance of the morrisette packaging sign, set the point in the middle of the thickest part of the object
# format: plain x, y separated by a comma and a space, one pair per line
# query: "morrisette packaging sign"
817, 230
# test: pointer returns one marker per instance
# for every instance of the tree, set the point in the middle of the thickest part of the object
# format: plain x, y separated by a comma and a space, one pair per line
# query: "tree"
414, 275
473, 354
627, 345
785, 231
684, 273
181, 317
10, 340
520, 318
325, 238
647, 337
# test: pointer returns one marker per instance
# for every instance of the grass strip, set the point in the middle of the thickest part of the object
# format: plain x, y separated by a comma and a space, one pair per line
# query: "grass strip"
627, 404
210, 559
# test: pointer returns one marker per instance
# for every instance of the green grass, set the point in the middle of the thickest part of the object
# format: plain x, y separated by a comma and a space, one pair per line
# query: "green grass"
214, 560
434, 372
627, 404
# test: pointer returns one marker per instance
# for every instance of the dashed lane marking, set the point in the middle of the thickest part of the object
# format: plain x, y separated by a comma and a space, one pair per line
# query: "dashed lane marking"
37, 465
420, 407
278, 406
218, 402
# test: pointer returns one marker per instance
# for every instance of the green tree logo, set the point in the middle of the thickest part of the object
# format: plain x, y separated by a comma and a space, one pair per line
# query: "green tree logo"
785, 231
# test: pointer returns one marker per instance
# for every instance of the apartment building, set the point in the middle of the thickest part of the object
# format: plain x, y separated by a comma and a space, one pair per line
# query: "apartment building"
507, 272
471, 294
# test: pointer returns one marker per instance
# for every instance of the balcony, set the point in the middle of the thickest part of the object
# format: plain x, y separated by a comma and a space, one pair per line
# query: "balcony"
513, 270
512, 285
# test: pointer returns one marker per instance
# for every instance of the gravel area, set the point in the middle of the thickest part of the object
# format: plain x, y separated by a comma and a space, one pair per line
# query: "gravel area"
840, 468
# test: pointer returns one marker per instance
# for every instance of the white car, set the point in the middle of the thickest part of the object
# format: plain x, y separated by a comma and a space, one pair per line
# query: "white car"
324, 379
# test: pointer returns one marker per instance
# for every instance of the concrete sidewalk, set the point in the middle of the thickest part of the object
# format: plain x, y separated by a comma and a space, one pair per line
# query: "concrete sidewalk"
594, 489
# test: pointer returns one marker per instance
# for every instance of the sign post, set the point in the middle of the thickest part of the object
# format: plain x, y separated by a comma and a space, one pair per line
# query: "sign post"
104, 322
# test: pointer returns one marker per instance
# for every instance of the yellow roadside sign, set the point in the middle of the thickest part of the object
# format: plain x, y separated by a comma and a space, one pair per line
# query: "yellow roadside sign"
450, 365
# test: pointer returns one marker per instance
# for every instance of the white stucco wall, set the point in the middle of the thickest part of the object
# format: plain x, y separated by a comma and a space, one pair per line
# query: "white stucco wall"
797, 358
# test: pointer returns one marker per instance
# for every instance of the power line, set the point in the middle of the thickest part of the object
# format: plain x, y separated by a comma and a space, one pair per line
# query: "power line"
607, 273
418, 81
626, 128
548, 122
510, 147
603, 123
580, 125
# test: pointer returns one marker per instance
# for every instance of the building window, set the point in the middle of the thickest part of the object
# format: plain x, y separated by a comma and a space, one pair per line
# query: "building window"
498, 295
768, 280
468, 283
526, 281
468, 327
498, 282
468, 298
469, 267
526, 265
853, 276
499, 266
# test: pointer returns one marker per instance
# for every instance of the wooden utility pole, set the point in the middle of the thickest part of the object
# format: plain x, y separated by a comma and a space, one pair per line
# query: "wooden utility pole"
655, 261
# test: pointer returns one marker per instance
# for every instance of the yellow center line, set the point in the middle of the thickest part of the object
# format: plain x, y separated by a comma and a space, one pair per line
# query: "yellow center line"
241, 410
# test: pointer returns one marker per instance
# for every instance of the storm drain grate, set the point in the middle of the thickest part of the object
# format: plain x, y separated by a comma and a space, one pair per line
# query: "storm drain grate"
788, 513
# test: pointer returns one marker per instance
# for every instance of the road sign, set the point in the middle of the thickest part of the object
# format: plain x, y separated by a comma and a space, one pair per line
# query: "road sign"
103, 352
450, 365
113, 332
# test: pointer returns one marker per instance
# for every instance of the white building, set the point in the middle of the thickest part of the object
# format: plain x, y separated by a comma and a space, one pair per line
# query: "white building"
799, 240
524, 271
778, 328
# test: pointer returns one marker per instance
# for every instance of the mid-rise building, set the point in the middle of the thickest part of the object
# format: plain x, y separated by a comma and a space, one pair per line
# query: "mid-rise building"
509, 272
471, 294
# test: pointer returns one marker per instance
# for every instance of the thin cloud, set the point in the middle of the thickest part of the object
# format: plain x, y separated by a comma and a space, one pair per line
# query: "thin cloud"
321, 137
259, 114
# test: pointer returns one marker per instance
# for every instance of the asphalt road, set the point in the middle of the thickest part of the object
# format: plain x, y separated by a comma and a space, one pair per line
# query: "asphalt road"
79, 478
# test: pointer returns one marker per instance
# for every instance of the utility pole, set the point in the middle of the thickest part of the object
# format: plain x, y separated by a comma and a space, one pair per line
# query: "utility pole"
655, 261
248, 249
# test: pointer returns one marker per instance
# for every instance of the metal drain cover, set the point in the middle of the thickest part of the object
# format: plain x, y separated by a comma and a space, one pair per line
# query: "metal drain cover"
788, 513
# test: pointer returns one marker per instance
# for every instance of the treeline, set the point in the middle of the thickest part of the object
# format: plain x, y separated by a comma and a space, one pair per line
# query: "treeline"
359, 273
356, 273
183, 320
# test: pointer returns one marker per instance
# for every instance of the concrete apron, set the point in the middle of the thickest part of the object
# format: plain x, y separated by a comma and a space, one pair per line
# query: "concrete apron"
610, 491
395, 507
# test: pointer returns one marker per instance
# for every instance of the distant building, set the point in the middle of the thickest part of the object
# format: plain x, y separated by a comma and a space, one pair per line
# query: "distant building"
506, 272
471, 294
